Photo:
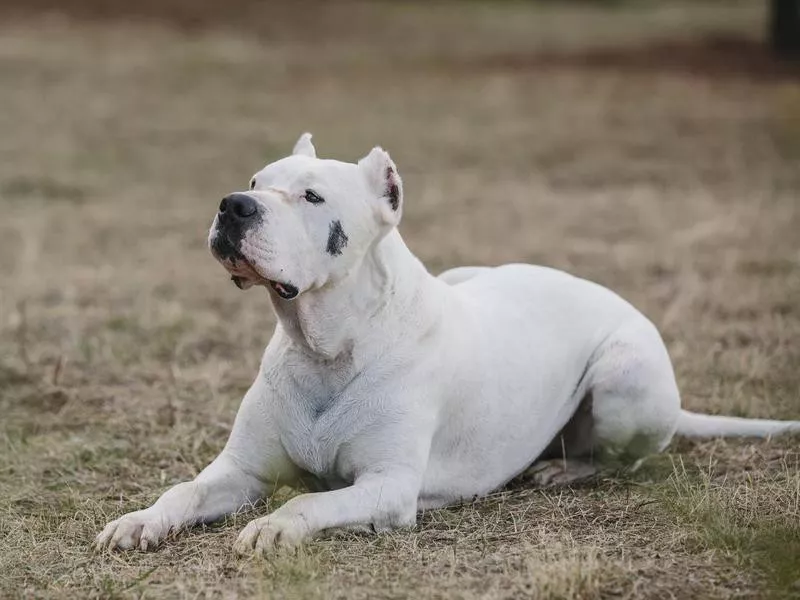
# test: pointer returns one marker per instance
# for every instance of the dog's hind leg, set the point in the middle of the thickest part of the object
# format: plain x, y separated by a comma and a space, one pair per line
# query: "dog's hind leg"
635, 399
630, 411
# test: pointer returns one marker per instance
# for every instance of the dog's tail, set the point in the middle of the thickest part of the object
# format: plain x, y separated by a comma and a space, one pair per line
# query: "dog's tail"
696, 425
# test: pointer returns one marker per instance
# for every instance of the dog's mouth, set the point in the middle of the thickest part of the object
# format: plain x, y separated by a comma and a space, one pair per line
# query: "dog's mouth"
243, 274
285, 290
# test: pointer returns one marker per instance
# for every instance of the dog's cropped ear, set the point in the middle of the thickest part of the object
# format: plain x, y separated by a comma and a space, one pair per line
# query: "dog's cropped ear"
384, 181
304, 146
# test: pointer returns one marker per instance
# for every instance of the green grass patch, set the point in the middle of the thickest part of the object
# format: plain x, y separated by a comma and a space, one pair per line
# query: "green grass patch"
751, 520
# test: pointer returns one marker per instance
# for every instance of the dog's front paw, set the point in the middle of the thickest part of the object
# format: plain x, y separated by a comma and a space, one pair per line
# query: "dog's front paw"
271, 533
141, 529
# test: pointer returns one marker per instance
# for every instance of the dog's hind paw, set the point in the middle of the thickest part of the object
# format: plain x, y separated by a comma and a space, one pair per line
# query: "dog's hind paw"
559, 472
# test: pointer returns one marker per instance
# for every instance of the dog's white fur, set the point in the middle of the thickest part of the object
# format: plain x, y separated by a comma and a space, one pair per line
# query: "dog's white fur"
397, 391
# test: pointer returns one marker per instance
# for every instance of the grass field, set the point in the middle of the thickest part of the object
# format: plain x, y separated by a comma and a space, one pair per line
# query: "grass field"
667, 169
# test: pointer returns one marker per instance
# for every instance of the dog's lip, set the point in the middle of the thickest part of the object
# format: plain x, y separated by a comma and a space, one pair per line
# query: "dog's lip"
239, 281
243, 271
285, 290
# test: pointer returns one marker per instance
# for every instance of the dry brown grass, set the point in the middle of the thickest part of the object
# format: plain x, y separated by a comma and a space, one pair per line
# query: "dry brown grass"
125, 351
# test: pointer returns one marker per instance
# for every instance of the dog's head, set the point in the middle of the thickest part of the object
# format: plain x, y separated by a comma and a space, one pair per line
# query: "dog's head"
306, 222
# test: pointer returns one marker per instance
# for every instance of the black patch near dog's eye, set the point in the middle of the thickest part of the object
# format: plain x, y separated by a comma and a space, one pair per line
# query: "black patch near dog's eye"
313, 197
337, 239
252, 183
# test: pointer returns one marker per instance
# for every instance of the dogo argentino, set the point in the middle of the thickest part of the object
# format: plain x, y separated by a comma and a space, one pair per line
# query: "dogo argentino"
388, 391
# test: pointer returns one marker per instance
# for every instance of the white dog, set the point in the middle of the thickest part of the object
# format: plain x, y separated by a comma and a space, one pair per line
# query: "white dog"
387, 390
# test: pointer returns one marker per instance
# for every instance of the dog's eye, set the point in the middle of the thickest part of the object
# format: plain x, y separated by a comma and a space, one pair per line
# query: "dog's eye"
252, 183
313, 197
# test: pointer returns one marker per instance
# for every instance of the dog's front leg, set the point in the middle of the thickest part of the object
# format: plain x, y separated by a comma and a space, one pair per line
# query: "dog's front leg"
380, 501
252, 463
220, 489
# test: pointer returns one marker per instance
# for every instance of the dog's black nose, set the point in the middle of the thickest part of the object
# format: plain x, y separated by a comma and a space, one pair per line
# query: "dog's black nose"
238, 205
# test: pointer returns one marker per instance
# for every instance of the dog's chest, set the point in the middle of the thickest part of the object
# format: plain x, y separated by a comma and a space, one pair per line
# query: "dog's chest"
314, 420
305, 439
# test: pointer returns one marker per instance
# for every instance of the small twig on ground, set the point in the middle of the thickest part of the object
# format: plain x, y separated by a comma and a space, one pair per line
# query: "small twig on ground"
22, 336
61, 363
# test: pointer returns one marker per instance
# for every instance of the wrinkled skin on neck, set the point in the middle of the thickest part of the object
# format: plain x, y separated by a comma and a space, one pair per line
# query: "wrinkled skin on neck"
343, 314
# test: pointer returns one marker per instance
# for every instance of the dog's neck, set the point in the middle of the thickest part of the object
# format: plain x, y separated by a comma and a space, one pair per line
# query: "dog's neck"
377, 298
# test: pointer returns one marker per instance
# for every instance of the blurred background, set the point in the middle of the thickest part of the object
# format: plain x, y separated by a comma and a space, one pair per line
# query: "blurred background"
651, 146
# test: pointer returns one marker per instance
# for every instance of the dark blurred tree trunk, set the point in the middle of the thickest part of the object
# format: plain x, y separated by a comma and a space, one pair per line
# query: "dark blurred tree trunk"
784, 27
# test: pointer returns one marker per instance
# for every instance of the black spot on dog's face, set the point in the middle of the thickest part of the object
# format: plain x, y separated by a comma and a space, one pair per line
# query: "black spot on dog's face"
337, 239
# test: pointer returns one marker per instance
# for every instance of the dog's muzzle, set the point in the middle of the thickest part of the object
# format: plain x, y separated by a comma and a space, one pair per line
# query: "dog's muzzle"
237, 213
